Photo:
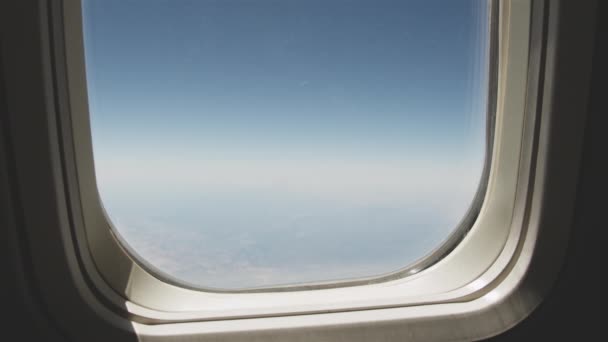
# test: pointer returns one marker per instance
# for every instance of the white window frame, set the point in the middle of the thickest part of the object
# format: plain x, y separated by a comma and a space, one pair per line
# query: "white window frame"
497, 274
432, 285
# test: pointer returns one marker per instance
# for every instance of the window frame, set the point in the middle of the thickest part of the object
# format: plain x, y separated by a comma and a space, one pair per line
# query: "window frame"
133, 278
495, 298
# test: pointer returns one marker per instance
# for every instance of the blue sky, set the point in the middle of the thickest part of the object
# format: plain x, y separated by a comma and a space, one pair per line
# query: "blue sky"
234, 130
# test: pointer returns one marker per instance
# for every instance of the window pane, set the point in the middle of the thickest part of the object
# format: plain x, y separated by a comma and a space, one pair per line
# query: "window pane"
247, 143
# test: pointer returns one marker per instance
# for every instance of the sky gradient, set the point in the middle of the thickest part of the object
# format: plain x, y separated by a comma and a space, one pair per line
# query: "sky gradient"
244, 143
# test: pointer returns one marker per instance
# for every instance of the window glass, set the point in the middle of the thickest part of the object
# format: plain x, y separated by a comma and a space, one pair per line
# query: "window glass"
248, 143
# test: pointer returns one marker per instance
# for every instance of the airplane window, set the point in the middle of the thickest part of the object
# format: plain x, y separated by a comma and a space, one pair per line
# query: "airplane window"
253, 143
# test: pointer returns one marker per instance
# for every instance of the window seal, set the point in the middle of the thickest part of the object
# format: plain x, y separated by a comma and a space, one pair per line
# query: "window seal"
130, 277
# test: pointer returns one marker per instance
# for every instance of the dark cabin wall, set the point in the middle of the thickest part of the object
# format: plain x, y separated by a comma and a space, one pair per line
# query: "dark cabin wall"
575, 309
